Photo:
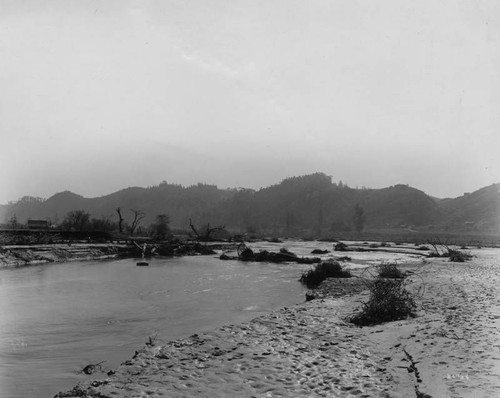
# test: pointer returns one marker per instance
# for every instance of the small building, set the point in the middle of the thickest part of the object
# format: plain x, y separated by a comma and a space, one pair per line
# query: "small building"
38, 224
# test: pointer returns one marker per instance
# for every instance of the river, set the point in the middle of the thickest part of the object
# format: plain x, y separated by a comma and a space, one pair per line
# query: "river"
57, 318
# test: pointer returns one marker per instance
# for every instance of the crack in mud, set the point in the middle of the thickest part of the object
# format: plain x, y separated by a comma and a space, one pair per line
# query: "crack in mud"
412, 368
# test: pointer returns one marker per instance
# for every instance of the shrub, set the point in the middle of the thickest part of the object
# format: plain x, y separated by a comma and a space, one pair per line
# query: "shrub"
319, 251
340, 247
389, 270
389, 301
287, 252
245, 253
327, 269
454, 255
458, 256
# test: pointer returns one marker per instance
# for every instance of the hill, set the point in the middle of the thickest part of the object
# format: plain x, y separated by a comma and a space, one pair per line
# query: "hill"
303, 206
479, 210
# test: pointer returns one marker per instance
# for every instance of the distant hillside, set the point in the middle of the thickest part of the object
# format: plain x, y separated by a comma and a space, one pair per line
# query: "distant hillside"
178, 202
314, 203
479, 210
309, 205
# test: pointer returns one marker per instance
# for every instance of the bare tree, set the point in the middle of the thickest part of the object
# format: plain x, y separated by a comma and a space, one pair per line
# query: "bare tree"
436, 243
138, 216
205, 235
120, 219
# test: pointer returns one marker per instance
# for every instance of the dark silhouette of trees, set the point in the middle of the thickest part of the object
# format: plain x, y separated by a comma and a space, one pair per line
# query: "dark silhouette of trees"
359, 218
319, 223
102, 224
160, 230
13, 223
77, 220
289, 222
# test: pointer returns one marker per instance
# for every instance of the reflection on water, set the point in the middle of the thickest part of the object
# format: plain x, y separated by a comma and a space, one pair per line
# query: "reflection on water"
55, 319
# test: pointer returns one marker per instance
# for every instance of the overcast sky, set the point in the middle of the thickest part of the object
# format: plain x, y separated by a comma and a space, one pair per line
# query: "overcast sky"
96, 96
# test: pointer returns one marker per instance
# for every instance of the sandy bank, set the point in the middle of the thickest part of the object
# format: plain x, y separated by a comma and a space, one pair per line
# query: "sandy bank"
452, 349
19, 256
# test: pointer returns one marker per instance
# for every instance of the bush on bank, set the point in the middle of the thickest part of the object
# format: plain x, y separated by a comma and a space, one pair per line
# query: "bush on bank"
389, 301
390, 270
323, 270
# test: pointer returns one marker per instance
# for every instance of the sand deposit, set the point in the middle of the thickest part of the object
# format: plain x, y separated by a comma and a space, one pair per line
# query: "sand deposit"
451, 349
24, 255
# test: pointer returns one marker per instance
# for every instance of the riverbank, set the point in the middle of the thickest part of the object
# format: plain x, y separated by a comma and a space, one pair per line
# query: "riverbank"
12, 256
450, 349
22, 255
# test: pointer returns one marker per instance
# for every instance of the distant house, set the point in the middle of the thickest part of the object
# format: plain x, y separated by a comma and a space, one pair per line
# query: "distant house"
38, 224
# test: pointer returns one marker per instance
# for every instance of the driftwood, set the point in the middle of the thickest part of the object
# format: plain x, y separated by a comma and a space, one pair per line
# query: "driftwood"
247, 254
89, 369
319, 251
340, 247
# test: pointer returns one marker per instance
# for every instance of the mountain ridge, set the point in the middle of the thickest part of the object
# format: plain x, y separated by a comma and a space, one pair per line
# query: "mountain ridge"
294, 206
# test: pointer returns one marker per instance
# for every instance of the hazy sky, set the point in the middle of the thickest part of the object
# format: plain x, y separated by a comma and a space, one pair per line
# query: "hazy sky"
96, 96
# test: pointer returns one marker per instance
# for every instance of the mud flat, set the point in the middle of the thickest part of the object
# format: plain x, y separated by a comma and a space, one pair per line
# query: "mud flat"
20, 256
451, 349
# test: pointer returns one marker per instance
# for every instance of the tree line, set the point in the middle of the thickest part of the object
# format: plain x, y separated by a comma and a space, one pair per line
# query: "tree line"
81, 220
